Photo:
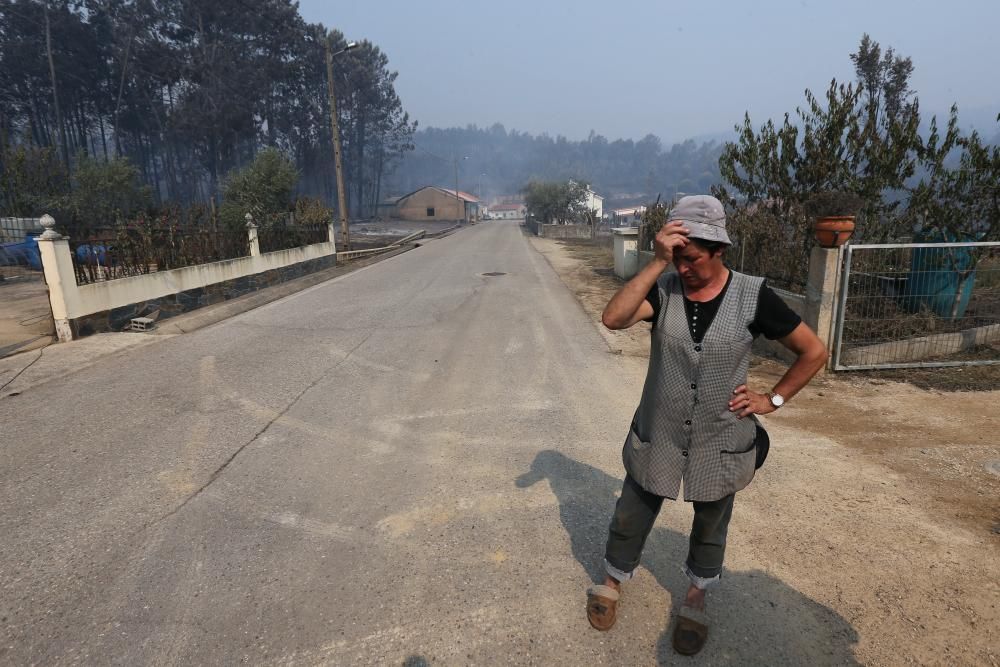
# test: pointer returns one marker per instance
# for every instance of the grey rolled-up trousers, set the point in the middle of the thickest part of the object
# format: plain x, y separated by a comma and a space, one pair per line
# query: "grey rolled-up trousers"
635, 513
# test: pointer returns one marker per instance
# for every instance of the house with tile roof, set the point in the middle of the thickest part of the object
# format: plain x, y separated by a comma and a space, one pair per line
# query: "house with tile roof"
434, 203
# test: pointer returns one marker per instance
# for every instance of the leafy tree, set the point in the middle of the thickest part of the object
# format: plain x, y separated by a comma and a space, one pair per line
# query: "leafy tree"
862, 137
30, 180
264, 187
377, 132
960, 203
556, 202
102, 194
192, 89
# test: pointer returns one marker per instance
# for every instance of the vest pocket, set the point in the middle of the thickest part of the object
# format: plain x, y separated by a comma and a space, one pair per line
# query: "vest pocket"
742, 450
634, 441
737, 468
635, 456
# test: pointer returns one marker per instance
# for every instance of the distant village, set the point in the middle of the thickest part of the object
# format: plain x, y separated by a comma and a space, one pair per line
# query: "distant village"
438, 203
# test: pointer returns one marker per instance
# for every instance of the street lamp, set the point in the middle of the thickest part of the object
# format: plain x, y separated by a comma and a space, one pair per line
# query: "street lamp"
335, 129
479, 194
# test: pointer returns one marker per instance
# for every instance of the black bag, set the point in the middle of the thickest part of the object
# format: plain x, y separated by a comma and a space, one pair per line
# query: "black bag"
762, 443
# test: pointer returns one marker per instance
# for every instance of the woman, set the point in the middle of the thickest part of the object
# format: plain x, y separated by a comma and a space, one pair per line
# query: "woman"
695, 423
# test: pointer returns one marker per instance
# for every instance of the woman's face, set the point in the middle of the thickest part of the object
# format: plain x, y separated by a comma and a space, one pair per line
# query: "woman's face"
697, 266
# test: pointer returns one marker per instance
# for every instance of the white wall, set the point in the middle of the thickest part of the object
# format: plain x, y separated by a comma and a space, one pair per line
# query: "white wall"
595, 202
71, 301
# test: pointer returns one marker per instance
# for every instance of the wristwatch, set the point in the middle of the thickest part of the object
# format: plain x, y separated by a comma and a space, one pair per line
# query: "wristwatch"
777, 400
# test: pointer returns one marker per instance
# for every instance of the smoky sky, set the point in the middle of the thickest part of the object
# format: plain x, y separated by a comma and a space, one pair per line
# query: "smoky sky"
675, 69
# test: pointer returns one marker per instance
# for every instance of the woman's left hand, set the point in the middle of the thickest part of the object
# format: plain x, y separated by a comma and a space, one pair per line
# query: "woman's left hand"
747, 402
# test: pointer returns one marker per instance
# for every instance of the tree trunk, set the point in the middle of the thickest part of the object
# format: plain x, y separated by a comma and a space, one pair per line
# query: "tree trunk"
377, 191
121, 89
213, 169
153, 152
55, 92
104, 138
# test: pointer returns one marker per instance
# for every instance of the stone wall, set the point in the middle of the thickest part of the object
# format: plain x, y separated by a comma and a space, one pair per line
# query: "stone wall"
564, 231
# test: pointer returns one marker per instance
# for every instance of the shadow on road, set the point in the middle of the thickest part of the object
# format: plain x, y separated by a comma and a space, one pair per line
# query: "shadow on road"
756, 619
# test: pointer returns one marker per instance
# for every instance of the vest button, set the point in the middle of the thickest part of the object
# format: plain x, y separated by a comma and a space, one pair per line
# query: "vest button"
697, 348
694, 386
687, 422
684, 453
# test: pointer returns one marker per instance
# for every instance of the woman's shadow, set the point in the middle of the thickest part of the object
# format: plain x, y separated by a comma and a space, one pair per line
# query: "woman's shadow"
756, 619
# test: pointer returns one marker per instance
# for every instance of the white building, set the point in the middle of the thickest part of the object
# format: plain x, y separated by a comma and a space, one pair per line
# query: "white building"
507, 211
624, 216
594, 202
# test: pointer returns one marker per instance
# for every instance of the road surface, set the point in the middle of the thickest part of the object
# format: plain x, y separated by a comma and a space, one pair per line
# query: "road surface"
412, 464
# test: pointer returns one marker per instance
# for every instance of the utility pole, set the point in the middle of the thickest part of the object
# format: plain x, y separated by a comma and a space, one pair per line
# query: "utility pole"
461, 202
458, 198
335, 129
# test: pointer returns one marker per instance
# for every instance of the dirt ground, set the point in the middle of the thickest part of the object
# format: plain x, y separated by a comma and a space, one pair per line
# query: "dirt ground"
25, 316
887, 505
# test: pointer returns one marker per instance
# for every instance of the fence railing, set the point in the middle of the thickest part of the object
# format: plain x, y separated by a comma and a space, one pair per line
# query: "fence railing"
108, 254
281, 234
85, 298
919, 305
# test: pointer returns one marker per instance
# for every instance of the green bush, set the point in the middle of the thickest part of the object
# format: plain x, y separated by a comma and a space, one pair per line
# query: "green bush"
263, 188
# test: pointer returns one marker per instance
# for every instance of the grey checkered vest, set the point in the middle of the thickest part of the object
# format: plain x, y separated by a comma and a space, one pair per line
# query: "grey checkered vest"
683, 429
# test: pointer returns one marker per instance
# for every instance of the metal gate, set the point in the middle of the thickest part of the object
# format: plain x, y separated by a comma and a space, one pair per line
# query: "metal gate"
19, 258
912, 305
25, 313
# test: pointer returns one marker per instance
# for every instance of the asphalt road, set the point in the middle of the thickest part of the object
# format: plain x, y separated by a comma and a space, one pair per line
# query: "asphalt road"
412, 464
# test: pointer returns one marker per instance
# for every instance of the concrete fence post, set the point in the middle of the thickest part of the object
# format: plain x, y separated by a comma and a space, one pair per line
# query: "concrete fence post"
822, 293
252, 235
626, 252
57, 264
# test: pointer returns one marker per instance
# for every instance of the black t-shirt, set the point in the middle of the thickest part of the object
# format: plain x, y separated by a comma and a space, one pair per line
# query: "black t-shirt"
774, 318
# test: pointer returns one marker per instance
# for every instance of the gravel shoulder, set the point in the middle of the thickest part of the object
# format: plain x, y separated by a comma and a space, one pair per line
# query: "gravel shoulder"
881, 499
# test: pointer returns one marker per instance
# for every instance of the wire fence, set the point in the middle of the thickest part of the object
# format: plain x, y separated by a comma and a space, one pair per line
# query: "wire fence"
111, 253
919, 305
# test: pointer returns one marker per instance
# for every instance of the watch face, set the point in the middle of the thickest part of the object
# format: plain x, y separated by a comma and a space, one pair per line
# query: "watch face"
777, 400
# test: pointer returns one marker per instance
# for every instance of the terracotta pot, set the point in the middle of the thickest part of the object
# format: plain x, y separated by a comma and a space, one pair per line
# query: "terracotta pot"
833, 231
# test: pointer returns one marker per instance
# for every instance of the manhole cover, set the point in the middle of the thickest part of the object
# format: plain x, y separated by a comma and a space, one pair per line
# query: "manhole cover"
495, 273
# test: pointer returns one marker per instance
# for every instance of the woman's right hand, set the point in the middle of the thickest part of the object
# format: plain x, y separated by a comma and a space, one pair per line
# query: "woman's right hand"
672, 236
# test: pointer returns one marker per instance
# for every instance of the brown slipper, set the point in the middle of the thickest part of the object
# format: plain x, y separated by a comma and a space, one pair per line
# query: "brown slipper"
691, 631
602, 607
